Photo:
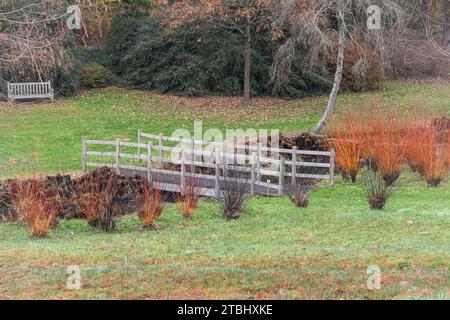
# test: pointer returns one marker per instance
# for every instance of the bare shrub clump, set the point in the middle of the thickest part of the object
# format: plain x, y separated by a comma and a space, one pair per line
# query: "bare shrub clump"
68, 192
299, 193
377, 190
233, 195
98, 201
7, 211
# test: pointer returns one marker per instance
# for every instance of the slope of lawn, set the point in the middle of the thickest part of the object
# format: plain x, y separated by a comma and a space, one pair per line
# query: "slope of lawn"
274, 251
48, 136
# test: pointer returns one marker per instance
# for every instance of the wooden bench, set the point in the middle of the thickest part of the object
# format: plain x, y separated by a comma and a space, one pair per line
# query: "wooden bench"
31, 90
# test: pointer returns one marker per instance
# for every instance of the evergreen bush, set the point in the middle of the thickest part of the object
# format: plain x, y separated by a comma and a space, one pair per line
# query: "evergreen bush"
199, 58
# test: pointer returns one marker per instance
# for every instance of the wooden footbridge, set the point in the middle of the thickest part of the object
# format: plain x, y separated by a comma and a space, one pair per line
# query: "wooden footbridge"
211, 164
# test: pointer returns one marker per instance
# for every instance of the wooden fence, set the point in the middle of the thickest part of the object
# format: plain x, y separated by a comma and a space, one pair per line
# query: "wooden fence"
169, 166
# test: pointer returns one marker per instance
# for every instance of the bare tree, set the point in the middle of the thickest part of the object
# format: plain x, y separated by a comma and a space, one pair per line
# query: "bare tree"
32, 38
315, 23
429, 10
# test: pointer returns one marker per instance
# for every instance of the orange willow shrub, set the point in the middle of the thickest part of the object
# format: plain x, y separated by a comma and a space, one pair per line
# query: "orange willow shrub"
434, 168
388, 139
151, 204
425, 153
386, 144
416, 136
348, 138
414, 142
188, 198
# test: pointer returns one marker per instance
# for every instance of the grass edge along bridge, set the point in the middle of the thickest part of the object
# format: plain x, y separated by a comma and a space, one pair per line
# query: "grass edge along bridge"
173, 178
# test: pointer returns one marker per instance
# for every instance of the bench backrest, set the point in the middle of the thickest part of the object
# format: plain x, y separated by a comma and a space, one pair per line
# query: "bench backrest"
30, 89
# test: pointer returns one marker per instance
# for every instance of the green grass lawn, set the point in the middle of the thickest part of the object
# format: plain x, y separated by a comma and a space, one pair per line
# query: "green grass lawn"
274, 251
48, 136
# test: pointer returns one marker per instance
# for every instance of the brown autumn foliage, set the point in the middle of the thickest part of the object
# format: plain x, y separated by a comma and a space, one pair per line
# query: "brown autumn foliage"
151, 204
98, 201
358, 75
96, 21
232, 13
37, 204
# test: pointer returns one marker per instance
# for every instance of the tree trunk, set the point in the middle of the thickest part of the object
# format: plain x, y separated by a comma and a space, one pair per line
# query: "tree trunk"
445, 11
247, 63
337, 77
423, 6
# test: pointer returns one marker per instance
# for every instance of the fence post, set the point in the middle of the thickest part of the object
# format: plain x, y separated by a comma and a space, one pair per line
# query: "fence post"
235, 153
139, 144
9, 91
117, 155
217, 183
149, 163
294, 164
192, 154
160, 141
258, 161
281, 177
224, 150
84, 155
252, 184
183, 172
332, 167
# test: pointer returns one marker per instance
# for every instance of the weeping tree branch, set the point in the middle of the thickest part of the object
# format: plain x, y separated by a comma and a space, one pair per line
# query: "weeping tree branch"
312, 25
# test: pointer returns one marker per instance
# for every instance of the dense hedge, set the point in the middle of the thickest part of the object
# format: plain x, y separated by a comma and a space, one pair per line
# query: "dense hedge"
370, 78
199, 59
89, 55
94, 75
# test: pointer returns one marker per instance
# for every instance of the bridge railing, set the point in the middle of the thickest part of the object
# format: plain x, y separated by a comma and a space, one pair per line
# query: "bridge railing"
173, 164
